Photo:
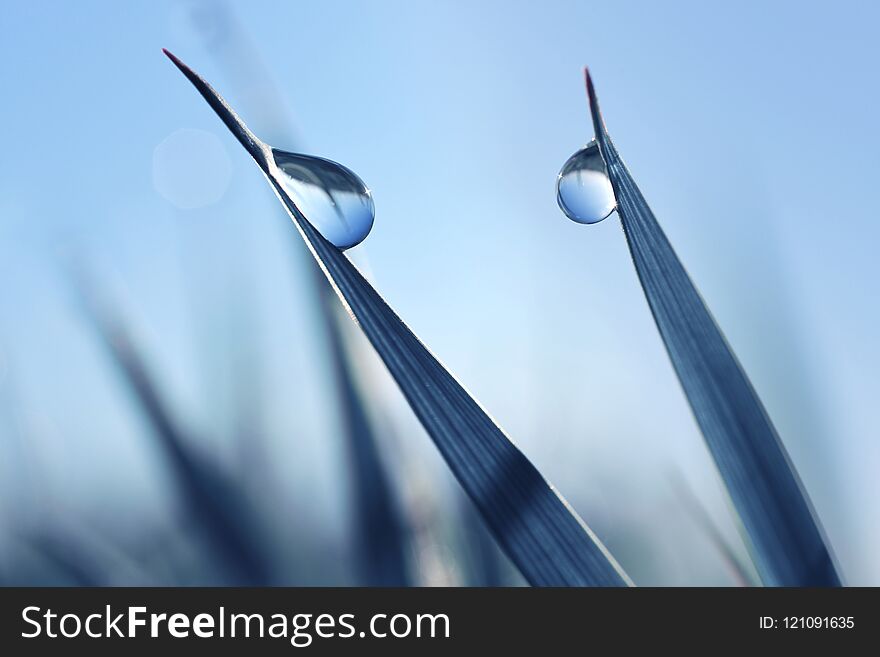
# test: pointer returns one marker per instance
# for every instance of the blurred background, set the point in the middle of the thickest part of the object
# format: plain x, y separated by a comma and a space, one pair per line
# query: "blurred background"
179, 403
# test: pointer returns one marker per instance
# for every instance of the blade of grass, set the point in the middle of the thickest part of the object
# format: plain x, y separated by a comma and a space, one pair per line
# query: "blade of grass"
381, 538
77, 569
85, 554
485, 564
214, 502
788, 545
542, 535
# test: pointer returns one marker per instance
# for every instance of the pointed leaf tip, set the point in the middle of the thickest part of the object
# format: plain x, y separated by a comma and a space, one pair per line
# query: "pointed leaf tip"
179, 64
238, 128
598, 121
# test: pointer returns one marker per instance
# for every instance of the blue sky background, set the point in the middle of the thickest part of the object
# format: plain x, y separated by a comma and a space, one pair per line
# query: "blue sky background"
750, 127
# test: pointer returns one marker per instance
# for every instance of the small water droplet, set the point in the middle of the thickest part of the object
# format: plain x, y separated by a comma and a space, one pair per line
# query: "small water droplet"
583, 189
332, 197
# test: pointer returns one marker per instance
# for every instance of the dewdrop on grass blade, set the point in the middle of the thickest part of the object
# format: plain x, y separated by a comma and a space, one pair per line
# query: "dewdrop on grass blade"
333, 199
786, 540
331, 196
583, 189
539, 531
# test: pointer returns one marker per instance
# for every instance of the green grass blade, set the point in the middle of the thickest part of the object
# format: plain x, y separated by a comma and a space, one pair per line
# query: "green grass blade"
787, 543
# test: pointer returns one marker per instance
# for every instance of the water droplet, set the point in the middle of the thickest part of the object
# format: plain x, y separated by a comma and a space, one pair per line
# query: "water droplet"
583, 189
332, 197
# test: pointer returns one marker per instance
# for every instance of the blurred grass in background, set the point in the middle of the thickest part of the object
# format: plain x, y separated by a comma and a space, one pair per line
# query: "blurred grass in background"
458, 116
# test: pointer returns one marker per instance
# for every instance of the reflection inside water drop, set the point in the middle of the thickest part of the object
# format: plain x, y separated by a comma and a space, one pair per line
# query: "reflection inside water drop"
332, 197
583, 189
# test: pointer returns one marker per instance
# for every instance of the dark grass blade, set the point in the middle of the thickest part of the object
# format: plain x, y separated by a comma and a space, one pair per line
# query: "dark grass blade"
73, 565
788, 545
542, 535
215, 504
486, 565
381, 537
87, 557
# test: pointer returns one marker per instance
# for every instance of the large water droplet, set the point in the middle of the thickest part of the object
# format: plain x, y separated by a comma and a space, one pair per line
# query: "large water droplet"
332, 197
583, 189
